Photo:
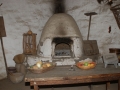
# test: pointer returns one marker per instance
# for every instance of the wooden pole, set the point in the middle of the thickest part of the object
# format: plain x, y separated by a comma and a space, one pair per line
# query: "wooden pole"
108, 86
3, 35
119, 84
89, 14
4, 54
89, 27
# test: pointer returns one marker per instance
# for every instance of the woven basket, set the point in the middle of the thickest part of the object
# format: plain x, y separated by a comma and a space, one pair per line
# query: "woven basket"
43, 69
85, 67
19, 58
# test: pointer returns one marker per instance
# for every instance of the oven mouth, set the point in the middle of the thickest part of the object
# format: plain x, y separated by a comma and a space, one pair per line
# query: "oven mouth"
63, 47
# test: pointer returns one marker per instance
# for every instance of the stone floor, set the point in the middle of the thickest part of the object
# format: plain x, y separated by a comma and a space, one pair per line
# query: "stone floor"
6, 84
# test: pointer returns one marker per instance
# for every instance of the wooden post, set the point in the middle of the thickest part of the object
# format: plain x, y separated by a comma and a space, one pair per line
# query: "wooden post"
3, 34
108, 86
90, 87
4, 54
36, 87
89, 27
118, 84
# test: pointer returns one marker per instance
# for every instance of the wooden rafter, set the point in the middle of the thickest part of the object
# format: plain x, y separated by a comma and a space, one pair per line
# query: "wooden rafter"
116, 12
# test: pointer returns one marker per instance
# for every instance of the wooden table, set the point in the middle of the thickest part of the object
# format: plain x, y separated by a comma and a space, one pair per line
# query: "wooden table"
61, 75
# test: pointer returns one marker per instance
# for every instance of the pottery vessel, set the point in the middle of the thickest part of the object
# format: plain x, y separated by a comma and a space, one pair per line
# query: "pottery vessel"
16, 77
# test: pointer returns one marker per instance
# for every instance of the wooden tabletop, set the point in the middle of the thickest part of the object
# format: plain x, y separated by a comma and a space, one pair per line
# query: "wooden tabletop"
59, 73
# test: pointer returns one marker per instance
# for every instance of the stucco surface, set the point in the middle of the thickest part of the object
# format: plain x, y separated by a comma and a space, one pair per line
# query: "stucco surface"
60, 25
22, 15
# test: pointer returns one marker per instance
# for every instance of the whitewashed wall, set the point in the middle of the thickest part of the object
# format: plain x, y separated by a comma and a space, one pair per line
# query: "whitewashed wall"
22, 15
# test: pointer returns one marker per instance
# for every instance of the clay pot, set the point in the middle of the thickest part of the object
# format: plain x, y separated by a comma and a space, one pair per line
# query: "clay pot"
21, 68
17, 66
16, 77
11, 69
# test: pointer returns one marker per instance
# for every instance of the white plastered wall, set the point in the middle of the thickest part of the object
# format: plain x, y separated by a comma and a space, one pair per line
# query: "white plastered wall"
22, 15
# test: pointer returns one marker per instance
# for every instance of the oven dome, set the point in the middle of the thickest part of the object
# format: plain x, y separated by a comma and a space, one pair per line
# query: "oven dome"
60, 25
61, 30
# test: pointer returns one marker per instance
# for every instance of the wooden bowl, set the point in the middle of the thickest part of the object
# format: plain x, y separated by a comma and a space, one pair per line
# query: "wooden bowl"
82, 66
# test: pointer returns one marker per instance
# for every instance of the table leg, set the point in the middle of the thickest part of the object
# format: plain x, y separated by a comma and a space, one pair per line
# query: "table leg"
118, 84
90, 87
108, 86
36, 87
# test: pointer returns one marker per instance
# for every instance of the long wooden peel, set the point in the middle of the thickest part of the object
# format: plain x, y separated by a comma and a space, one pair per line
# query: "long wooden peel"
4, 54
89, 14
3, 34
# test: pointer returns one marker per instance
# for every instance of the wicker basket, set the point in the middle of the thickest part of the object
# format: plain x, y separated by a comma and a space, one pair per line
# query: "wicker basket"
86, 67
43, 69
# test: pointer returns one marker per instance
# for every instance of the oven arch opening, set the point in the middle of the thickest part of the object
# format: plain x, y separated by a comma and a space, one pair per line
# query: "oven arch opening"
62, 47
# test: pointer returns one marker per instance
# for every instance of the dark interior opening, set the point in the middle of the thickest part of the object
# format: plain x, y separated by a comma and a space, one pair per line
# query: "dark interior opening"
63, 46
62, 40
